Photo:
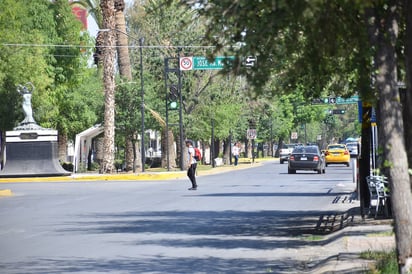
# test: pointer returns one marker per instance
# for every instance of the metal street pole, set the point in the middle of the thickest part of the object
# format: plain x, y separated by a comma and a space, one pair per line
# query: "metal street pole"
212, 144
141, 40
166, 64
180, 109
271, 136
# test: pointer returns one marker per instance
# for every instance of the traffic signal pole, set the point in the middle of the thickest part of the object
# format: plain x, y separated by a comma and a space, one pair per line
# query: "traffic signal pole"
180, 108
174, 95
167, 114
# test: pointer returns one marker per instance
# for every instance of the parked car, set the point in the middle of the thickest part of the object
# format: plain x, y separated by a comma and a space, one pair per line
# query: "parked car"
337, 154
353, 149
306, 158
284, 152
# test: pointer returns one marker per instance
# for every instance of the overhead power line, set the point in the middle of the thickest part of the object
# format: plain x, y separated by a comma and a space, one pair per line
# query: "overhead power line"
80, 46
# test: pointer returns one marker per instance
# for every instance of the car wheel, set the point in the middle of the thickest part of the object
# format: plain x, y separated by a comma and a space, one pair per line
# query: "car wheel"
326, 165
291, 171
347, 164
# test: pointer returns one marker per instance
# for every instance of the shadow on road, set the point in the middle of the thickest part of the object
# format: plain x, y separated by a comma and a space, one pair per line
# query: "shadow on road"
273, 231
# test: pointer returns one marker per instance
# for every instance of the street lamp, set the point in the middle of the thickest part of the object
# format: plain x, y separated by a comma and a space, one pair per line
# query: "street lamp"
141, 40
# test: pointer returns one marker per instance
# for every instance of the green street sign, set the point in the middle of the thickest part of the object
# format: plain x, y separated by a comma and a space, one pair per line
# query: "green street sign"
336, 100
350, 100
201, 63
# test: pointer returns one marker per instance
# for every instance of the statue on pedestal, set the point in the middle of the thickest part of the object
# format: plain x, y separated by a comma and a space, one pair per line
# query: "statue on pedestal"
26, 92
31, 150
28, 122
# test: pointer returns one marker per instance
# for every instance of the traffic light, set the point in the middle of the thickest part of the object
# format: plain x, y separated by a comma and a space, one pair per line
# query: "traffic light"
252, 123
318, 101
173, 98
338, 111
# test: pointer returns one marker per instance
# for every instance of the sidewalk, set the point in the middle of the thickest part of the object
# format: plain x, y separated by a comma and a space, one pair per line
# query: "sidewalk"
341, 250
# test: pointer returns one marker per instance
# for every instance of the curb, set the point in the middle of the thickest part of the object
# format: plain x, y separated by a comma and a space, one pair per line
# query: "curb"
5, 192
98, 177
153, 176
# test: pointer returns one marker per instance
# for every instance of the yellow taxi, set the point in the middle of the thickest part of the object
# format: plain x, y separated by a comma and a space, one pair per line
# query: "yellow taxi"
337, 154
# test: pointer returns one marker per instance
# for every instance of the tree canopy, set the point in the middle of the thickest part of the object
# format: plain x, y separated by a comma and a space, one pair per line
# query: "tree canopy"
42, 43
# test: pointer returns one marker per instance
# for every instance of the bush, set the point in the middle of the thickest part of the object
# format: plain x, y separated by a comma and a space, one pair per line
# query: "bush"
385, 261
68, 166
118, 164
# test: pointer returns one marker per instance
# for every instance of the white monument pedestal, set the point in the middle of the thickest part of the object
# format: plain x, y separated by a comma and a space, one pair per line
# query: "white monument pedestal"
32, 153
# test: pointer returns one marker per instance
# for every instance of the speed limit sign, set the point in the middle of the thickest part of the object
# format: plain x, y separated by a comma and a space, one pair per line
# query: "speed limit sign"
186, 63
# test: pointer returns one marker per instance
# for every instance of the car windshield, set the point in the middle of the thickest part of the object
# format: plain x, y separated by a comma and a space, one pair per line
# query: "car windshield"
286, 146
336, 147
312, 150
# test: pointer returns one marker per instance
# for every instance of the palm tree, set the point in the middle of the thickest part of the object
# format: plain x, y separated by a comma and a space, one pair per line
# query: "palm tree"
125, 72
109, 58
95, 10
122, 41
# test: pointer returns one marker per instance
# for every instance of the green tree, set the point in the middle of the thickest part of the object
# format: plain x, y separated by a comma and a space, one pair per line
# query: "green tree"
41, 43
383, 37
20, 64
327, 49
159, 26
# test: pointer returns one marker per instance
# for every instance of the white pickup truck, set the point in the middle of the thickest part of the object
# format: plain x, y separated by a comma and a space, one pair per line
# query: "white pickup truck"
284, 152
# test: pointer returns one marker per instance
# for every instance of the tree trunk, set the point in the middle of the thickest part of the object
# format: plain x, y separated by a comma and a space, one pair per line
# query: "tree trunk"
168, 149
385, 32
122, 42
62, 145
180, 163
408, 92
226, 151
124, 68
130, 154
109, 56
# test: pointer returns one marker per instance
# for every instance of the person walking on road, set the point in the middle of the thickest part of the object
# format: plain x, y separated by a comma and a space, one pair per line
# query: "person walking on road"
236, 152
192, 164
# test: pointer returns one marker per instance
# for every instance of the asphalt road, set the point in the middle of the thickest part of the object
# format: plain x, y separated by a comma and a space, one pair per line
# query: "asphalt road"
255, 220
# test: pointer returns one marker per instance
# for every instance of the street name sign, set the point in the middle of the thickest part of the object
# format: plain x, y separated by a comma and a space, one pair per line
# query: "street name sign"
350, 100
336, 100
202, 63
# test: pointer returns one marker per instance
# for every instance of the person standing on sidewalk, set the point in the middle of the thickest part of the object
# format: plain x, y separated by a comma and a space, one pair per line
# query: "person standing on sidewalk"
192, 164
236, 152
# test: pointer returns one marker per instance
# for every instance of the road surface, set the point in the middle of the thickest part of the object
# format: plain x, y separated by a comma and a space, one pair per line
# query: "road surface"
255, 220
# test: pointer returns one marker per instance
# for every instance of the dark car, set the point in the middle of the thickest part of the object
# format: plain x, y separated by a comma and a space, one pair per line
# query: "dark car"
306, 158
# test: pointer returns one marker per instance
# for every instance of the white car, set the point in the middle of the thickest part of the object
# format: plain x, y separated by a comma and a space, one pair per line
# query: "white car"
285, 151
353, 149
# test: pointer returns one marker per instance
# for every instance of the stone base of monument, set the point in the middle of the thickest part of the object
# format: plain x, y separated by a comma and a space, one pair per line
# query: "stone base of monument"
32, 153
